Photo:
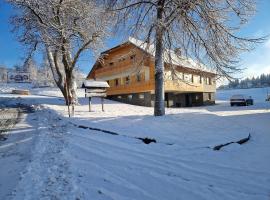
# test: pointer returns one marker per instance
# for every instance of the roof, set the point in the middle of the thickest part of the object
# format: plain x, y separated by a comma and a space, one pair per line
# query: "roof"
175, 59
150, 49
95, 84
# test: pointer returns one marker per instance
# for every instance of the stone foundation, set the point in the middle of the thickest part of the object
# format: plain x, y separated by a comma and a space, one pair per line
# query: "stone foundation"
171, 99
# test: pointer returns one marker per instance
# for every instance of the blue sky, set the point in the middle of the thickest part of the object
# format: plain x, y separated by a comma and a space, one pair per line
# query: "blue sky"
255, 62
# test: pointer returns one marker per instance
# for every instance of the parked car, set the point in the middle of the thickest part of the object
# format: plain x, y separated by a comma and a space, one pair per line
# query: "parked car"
241, 100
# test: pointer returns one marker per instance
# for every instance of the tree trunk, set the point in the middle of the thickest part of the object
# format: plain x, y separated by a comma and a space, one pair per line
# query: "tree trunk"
64, 84
159, 109
72, 87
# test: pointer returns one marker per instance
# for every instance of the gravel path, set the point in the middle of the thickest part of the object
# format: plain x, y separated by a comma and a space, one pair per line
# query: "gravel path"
8, 119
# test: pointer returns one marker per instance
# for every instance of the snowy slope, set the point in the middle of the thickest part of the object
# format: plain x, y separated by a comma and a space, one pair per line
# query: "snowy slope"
72, 161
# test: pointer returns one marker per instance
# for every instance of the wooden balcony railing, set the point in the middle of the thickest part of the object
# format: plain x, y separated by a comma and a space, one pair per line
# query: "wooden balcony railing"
131, 88
183, 87
113, 69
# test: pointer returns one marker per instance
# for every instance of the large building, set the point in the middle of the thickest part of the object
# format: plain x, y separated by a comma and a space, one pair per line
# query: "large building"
129, 70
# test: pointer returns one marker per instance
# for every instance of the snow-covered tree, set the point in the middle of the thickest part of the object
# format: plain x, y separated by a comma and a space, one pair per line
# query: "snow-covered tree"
44, 73
204, 30
65, 29
31, 67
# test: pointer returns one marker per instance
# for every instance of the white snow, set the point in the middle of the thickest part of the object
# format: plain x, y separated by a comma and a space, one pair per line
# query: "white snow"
69, 162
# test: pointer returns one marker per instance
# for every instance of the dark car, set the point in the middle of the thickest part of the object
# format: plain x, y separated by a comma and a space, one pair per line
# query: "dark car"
241, 100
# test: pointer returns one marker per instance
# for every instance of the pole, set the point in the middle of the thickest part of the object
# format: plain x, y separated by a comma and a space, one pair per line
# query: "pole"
67, 93
102, 103
73, 110
89, 104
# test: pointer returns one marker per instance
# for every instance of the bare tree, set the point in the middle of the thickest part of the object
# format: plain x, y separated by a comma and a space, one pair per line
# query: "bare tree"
65, 29
203, 30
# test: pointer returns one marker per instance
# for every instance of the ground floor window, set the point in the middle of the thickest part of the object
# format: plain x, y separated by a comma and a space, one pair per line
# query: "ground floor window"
141, 96
209, 96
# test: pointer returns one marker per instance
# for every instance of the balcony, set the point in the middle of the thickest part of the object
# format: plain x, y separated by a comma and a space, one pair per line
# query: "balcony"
183, 87
136, 87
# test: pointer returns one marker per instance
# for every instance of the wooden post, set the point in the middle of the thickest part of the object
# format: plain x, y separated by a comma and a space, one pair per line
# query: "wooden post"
102, 103
73, 109
89, 104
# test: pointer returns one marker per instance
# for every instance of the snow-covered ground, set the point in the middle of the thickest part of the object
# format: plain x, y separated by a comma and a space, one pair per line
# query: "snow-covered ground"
70, 160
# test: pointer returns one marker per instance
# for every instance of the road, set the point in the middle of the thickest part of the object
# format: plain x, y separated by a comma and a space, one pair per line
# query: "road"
17, 136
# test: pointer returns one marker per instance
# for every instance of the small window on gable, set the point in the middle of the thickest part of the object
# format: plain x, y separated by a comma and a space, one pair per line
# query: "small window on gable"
127, 80
121, 59
111, 63
132, 57
116, 81
138, 77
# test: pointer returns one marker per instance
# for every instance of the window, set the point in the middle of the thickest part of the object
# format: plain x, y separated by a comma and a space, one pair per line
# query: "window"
130, 96
209, 96
192, 78
111, 63
201, 79
138, 77
205, 80
116, 82
208, 81
132, 57
141, 96
121, 59
188, 78
127, 80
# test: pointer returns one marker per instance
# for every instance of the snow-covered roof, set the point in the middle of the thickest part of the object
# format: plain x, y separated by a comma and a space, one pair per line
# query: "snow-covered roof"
175, 59
95, 84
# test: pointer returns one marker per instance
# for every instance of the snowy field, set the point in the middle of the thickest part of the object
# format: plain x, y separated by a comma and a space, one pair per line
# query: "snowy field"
97, 155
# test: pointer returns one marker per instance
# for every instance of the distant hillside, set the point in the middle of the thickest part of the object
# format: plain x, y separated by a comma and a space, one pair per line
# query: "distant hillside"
255, 82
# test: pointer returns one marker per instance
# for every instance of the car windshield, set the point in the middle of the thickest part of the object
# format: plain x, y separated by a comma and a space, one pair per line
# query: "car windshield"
238, 96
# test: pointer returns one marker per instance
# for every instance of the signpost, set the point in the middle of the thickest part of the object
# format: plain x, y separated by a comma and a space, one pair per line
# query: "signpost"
95, 89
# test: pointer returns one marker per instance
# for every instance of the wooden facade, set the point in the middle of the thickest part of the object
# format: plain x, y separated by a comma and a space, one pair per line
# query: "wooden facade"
129, 69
